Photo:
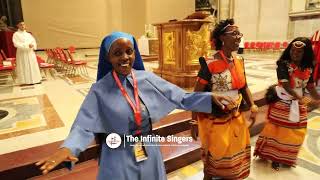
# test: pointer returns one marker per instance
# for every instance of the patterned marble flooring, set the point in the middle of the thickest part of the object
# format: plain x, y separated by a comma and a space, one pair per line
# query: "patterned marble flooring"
49, 120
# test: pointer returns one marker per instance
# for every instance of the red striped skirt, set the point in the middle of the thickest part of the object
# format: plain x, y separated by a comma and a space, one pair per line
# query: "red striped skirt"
281, 139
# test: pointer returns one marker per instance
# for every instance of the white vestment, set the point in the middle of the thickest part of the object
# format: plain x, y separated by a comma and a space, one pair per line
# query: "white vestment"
27, 69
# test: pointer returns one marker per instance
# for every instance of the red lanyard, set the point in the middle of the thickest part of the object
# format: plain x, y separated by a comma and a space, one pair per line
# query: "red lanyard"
136, 107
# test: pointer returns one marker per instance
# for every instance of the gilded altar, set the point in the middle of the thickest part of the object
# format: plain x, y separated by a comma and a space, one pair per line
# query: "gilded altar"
181, 43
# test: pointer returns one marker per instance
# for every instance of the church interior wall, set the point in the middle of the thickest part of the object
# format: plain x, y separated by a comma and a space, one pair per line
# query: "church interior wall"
77, 22
262, 19
165, 10
298, 5
246, 18
73, 22
303, 21
134, 16
273, 22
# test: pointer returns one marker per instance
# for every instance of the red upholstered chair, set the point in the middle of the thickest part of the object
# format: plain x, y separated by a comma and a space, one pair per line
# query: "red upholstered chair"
62, 60
277, 46
268, 46
284, 44
72, 49
252, 45
246, 45
77, 64
259, 45
265, 46
50, 56
6, 67
5, 57
44, 67
66, 59
55, 59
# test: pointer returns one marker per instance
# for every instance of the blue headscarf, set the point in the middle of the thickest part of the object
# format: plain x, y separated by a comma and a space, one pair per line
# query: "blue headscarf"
104, 66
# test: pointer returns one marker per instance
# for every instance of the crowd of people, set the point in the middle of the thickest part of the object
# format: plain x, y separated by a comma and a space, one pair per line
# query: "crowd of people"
126, 100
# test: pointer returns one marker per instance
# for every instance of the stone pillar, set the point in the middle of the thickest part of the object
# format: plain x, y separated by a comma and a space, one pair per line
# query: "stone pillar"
225, 9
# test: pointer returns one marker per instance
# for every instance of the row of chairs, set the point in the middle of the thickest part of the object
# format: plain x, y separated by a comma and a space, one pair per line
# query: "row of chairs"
65, 62
265, 46
8, 65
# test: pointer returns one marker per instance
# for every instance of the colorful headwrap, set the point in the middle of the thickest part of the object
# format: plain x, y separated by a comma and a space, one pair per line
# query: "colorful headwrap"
104, 66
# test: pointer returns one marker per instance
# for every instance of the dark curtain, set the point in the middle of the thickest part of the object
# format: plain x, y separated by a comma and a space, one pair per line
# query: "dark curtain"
12, 9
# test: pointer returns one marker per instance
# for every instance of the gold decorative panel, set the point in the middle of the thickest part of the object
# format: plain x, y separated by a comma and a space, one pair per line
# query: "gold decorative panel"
197, 44
169, 41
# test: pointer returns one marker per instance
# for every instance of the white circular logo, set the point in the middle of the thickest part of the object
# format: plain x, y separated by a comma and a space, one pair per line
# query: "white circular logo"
113, 140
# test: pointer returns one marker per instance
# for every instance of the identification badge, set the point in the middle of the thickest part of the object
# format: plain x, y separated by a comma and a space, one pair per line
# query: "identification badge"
140, 152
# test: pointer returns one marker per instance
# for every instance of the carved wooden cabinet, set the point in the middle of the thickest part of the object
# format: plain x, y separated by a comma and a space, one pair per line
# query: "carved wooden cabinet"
181, 43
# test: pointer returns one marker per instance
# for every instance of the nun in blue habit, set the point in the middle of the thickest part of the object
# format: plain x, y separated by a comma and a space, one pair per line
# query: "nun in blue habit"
107, 110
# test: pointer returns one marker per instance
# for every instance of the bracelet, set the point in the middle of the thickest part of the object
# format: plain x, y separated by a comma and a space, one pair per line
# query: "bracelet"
193, 122
254, 108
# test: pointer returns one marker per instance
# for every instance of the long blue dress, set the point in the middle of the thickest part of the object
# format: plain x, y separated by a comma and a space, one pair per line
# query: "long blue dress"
105, 110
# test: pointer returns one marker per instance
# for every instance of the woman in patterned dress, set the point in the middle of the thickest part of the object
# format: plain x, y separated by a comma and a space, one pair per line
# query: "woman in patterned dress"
284, 132
225, 138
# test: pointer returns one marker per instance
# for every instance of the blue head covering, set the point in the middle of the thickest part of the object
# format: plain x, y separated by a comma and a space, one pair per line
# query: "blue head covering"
104, 66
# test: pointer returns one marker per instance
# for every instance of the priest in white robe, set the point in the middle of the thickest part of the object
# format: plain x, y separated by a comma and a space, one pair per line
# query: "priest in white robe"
27, 68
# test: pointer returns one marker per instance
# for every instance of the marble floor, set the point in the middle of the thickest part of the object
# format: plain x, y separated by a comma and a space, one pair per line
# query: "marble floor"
43, 113
308, 168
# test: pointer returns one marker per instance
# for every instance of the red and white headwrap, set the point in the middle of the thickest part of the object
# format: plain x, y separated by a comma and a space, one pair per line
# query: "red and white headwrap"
298, 44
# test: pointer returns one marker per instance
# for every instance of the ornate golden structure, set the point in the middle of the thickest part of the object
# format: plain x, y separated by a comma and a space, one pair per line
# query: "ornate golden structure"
198, 44
181, 43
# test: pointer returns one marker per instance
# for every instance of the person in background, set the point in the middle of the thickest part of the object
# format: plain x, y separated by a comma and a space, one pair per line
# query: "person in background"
241, 46
27, 68
225, 136
126, 100
284, 132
